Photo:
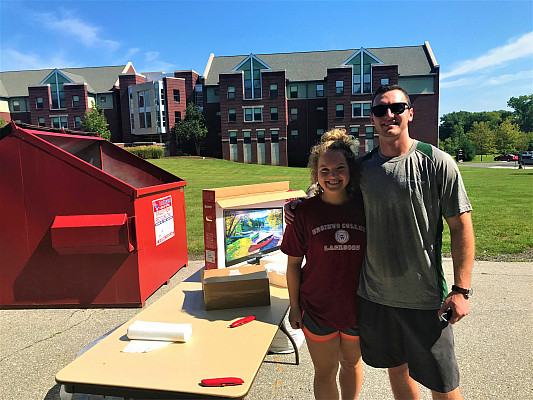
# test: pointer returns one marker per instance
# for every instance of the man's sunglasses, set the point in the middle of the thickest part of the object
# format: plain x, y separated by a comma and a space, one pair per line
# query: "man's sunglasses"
396, 108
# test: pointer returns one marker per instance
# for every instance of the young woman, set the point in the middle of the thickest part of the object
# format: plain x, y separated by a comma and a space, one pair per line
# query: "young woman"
329, 231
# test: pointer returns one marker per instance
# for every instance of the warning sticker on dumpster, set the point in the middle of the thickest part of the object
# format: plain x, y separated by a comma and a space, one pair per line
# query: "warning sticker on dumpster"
164, 219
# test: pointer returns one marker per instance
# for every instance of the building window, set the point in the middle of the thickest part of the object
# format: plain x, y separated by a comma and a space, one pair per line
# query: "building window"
293, 92
39, 104
294, 114
132, 121
385, 81
142, 121
42, 122
354, 131
251, 69
253, 114
231, 92
233, 149
339, 111
247, 147
369, 138
361, 109
176, 95
16, 105
232, 115
294, 135
177, 117
320, 90
55, 122
60, 122
75, 101
258, 114
320, 111
273, 91
162, 96
77, 122
339, 87
362, 71
248, 114
274, 113
274, 147
320, 132
140, 96
261, 147
103, 99
148, 116
56, 80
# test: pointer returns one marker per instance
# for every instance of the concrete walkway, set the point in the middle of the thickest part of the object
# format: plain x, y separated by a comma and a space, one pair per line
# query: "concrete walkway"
493, 344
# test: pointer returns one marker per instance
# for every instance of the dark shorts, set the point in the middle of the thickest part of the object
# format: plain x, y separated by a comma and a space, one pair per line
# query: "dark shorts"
392, 336
317, 332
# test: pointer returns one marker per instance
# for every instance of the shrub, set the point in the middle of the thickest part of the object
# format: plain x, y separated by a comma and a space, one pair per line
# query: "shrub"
147, 151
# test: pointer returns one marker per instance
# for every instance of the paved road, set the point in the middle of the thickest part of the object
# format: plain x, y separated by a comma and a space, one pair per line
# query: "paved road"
493, 344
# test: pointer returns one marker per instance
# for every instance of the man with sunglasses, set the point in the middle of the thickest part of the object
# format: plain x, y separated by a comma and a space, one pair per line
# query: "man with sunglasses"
408, 187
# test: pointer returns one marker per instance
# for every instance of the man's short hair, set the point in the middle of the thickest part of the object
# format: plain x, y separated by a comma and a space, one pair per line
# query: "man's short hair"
387, 88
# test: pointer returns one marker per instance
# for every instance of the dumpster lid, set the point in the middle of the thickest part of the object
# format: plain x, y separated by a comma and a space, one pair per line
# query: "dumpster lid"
70, 221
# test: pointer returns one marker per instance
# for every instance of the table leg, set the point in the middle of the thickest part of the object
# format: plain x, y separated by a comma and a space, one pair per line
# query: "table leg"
296, 352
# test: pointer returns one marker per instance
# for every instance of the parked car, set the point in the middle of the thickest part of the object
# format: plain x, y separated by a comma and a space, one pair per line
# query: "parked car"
506, 157
526, 159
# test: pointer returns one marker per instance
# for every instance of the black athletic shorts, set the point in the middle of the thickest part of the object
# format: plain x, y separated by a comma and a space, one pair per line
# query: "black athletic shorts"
392, 336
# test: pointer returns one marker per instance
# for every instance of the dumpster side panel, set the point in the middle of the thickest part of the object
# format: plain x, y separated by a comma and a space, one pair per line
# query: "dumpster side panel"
163, 244
13, 229
53, 186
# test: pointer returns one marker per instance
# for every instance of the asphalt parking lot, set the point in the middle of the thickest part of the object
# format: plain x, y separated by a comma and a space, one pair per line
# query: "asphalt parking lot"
493, 344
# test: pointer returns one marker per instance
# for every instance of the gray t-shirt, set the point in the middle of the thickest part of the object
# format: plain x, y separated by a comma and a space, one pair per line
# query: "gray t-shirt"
405, 199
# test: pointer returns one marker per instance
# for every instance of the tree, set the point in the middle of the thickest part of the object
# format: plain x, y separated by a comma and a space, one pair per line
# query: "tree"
482, 137
2, 122
95, 122
508, 137
523, 111
192, 127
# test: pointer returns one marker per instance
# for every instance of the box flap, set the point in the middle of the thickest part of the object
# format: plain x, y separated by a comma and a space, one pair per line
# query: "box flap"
259, 198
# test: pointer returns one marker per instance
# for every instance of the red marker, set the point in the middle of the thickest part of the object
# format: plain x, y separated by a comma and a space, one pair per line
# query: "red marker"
229, 381
242, 321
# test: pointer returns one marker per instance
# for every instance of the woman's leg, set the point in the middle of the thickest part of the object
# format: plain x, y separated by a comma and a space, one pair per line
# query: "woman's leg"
351, 373
325, 357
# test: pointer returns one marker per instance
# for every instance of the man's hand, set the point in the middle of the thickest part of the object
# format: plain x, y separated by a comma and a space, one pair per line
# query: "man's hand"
289, 207
459, 304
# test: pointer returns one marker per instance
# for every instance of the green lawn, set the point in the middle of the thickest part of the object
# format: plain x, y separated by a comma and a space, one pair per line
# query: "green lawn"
501, 198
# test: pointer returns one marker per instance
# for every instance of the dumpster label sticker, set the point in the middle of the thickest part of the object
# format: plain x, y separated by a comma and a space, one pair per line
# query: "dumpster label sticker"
164, 219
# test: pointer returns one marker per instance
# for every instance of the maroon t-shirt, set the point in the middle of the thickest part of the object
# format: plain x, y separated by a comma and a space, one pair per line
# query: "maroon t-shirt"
332, 239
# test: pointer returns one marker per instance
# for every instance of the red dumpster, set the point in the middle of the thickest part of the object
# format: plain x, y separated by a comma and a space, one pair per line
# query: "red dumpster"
84, 223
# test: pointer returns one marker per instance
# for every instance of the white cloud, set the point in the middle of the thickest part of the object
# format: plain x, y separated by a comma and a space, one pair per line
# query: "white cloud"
486, 80
152, 63
13, 60
520, 48
71, 26
506, 78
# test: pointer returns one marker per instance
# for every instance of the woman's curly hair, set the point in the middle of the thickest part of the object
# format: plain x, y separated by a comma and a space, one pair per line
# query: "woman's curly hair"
336, 140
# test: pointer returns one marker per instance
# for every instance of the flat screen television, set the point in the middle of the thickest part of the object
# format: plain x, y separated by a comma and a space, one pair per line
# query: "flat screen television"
251, 233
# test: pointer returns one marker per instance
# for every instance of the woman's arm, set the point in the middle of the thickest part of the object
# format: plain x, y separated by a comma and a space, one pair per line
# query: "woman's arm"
294, 272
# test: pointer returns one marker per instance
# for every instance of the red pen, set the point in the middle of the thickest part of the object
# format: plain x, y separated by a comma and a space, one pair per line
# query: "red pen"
242, 321
229, 381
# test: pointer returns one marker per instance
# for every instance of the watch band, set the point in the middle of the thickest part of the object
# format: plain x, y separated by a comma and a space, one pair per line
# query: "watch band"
465, 292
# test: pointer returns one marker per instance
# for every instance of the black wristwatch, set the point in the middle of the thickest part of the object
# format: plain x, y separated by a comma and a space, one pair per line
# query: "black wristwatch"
465, 292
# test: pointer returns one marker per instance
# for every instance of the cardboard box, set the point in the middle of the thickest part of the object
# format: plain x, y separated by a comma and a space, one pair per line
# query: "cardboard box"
246, 286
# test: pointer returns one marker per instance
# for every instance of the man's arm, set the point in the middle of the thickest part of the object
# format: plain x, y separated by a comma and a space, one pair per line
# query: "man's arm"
463, 252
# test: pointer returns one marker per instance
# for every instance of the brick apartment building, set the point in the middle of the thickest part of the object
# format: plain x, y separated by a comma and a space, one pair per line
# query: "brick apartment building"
137, 107
272, 108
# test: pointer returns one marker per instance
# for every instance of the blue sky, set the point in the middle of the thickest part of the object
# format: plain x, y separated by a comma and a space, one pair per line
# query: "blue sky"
484, 48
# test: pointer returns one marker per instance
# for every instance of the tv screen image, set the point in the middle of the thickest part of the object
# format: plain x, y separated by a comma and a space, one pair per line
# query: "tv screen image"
249, 233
